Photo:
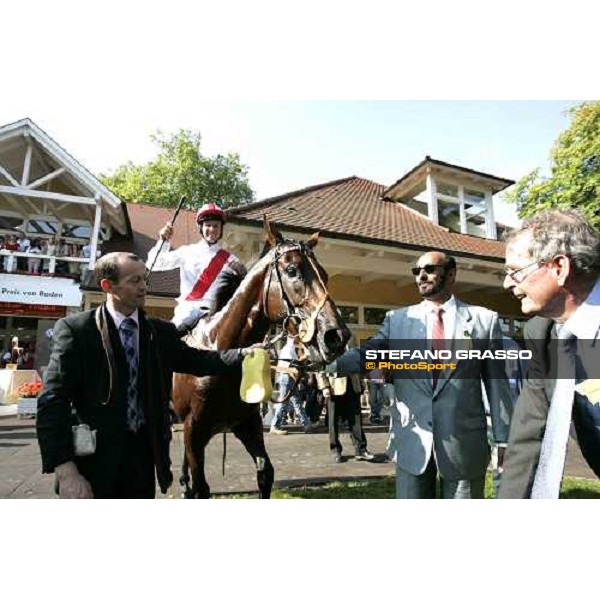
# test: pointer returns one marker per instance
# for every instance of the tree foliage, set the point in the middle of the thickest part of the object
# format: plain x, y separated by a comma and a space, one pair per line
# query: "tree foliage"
575, 170
180, 169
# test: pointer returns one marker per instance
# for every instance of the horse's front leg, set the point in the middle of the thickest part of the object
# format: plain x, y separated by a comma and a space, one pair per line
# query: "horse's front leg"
250, 433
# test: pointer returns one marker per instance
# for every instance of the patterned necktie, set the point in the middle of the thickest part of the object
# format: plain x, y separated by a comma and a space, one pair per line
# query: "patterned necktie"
438, 338
550, 469
134, 415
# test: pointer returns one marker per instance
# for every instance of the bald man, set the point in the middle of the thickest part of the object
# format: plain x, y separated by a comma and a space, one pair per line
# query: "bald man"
438, 424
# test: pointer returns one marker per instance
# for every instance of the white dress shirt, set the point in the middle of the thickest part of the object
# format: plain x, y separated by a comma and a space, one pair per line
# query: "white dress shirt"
448, 316
191, 260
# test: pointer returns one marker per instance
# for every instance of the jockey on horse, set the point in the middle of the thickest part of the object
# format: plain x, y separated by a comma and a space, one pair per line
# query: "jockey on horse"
208, 274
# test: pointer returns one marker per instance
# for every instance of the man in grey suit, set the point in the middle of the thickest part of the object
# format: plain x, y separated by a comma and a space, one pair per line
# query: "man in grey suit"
438, 424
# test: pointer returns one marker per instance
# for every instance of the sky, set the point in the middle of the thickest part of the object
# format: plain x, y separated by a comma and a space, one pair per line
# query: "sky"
288, 144
304, 94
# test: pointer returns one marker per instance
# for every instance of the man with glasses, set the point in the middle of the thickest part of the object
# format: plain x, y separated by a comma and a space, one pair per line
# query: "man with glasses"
438, 423
553, 269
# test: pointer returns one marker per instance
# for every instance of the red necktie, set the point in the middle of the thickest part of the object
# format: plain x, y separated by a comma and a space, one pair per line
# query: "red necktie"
438, 338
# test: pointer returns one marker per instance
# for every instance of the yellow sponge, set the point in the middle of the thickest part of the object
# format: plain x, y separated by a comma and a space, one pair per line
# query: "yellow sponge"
256, 377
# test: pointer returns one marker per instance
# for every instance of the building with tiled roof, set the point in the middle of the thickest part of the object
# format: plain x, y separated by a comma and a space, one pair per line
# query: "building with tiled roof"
370, 234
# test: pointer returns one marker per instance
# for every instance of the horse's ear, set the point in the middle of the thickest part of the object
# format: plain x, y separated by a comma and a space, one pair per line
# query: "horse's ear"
313, 240
273, 235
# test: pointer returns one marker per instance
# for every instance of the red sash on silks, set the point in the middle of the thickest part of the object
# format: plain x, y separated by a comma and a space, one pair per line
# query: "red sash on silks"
209, 275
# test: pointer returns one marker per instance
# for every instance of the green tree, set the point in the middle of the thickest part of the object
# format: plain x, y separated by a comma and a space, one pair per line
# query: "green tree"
575, 170
179, 169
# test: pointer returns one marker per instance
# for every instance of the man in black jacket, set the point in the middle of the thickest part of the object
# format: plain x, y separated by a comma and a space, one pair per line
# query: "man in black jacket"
553, 269
111, 368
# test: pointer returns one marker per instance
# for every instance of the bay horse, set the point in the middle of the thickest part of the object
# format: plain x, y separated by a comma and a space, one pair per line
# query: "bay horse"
286, 286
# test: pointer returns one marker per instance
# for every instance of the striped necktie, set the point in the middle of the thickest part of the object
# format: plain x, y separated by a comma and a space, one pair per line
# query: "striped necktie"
134, 414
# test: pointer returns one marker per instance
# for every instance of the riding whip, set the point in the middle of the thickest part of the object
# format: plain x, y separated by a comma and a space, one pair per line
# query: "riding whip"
182, 201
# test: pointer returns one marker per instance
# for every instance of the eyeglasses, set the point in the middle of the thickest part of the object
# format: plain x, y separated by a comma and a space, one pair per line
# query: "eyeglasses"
429, 269
512, 273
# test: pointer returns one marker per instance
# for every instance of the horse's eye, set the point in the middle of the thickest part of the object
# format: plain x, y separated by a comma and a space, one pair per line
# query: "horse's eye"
292, 271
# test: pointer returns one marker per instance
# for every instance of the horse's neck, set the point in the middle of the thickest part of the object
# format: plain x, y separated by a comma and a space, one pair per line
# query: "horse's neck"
241, 320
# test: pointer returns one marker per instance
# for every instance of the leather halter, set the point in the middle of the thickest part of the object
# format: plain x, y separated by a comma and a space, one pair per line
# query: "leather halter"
306, 326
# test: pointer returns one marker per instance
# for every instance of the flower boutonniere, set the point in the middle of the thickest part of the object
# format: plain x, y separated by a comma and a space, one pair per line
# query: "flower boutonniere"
589, 388
467, 335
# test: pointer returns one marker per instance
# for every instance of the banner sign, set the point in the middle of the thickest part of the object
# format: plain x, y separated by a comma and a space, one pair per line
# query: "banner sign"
32, 310
31, 289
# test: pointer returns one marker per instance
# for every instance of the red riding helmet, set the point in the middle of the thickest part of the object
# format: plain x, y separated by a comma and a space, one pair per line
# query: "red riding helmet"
210, 212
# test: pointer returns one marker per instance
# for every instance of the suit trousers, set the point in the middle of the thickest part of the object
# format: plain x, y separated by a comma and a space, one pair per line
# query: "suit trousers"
135, 478
347, 409
415, 487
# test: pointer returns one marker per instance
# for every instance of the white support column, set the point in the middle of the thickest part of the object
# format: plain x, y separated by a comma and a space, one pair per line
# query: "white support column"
490, 221
27, 163
361, 314
432, 198
95, 234
463, 212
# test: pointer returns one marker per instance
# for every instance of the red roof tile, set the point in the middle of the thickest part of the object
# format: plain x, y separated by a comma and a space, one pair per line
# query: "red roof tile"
353, 208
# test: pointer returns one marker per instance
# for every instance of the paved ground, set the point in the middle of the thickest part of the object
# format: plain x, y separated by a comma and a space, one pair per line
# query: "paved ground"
298, 458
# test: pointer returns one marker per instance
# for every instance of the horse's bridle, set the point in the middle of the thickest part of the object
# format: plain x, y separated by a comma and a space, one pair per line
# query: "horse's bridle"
306, 326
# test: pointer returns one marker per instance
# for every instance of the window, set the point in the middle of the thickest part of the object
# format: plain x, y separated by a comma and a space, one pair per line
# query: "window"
374, 316
476, 216
449, 215
77, 231
39, 226
462, 209
349, 314
474, 196
447, 189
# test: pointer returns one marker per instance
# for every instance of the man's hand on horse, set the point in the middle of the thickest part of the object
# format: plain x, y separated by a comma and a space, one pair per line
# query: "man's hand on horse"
166, 233
250, 350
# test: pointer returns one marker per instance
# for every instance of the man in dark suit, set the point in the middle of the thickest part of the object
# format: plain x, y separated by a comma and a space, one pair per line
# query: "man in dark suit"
553, 268
111, 368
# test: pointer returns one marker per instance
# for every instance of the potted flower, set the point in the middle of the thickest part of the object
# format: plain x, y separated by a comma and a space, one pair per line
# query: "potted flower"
28, 393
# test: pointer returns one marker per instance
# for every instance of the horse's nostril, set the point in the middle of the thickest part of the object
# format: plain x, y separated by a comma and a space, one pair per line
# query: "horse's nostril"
336, 339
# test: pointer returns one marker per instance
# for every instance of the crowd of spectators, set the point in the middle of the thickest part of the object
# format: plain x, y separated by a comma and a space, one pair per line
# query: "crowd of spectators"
38, 247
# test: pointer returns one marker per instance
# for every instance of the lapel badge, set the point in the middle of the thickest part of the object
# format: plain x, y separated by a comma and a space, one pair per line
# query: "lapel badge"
591, 389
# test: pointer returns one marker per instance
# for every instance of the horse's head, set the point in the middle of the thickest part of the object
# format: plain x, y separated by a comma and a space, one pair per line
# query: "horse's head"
296, 295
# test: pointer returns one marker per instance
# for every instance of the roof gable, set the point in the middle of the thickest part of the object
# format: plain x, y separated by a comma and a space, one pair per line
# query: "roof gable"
36, 168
